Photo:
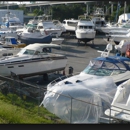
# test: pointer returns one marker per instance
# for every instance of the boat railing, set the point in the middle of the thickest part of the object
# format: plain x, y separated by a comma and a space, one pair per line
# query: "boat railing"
60, 79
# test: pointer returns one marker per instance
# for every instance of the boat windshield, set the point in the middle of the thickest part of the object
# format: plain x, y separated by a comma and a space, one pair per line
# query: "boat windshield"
103, 68
26, 52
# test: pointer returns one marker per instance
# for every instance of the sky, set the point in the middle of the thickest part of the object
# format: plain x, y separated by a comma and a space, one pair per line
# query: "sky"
24, 2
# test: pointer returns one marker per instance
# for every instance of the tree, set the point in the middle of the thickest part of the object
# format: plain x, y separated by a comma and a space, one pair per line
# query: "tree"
24, 9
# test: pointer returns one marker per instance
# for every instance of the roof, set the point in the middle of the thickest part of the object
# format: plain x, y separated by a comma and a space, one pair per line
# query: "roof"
39, 46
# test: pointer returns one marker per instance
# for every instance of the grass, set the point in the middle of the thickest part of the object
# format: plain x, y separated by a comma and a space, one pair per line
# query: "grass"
14, 110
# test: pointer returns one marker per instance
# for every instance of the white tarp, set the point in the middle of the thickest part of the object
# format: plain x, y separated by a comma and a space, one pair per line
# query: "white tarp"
123, 46
89, 100
125, 17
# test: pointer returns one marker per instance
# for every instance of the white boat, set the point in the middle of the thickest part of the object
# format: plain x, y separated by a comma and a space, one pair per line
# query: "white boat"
59, 25
85, 30
33, 60
117, 32
70, 25
50, 28
99, 11
117, 38
7, 32
116, 67
32, 35
11, 21
114, 28
57, 40
10, 46
120, 106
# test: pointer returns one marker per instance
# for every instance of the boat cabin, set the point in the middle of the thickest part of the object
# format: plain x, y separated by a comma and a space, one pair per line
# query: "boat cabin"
37, 49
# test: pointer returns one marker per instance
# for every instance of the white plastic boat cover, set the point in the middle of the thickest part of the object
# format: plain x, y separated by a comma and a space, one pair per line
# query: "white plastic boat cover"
81, 102
123, 46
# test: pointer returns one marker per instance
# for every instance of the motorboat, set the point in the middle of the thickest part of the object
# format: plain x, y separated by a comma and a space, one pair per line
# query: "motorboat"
10, 46
70, 25
117, 38
85, 30
105, 65
33, 59
50, 28
7, 32
91, 91
99, 11
57, 40
32, 35
80, 101
117, 28
99, 22
59, 25
11, 42
11, 21
120, 106
87, 94
117, 32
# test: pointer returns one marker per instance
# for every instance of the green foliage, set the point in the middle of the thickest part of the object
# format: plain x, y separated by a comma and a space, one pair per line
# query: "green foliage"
61, 12
15, 110
25, 11
38, 12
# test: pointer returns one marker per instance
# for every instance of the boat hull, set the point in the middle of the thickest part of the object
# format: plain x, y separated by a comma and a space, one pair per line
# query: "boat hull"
33, 68
85, 35
31, 40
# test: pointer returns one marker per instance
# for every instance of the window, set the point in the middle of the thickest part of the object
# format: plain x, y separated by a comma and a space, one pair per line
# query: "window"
64, 22
40, 27
72, 23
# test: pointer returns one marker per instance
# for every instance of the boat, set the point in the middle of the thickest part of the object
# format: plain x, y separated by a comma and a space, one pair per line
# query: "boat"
117, 32
7, 32
70, 25
98, 12
117, 38
85, 30
10, 46
120, 106
33, 59
50, 28
114, 66
116, 28
11, 21
59, 25
32, 35
80, 101
57, 40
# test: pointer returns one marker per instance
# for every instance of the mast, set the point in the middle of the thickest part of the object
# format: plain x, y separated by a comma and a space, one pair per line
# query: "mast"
124, 9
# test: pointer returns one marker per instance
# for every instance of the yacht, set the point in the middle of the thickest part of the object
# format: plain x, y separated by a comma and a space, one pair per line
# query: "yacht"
33, 59
117, 28
70, 25
11, 21
50, 28
120, 106
32, 35
85, 30
117, 38
10, 46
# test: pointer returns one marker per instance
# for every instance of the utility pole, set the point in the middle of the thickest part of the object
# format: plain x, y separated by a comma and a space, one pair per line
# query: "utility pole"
124, 9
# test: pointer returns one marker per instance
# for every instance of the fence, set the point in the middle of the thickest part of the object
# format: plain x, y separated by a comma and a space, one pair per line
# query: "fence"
35, 92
